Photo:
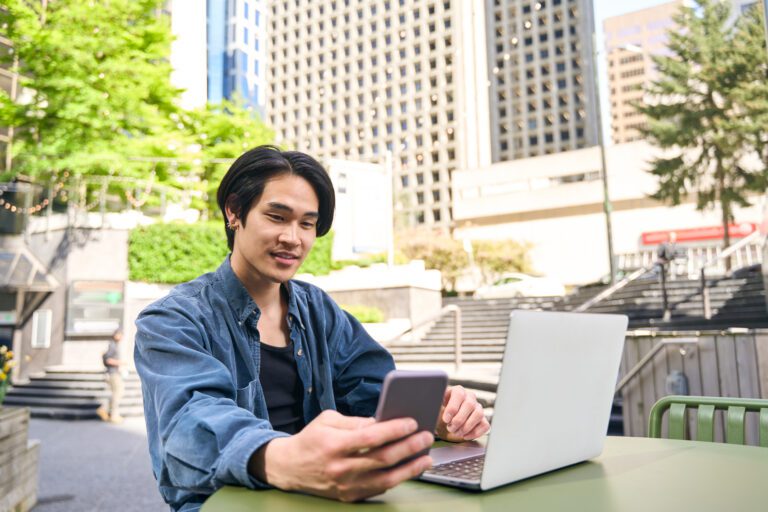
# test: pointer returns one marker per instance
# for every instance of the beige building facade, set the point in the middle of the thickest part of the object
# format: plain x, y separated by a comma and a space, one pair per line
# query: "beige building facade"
555, 204
357, 80
631, 41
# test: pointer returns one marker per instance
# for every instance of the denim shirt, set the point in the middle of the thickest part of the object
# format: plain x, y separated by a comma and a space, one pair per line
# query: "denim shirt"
197, 353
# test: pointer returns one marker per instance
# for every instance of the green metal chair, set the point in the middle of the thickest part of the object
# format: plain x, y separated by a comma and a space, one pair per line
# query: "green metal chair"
706, 406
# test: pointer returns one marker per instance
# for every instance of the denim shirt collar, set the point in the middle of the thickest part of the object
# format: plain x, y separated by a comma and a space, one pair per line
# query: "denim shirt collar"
240, 300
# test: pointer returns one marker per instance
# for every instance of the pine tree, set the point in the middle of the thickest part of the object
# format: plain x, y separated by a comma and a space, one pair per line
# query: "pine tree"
704, 110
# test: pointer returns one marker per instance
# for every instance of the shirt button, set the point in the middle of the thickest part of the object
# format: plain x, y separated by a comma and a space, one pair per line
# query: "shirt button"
309, 389
299, 352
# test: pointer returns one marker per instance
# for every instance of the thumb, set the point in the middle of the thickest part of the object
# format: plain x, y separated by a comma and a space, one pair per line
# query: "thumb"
337, 420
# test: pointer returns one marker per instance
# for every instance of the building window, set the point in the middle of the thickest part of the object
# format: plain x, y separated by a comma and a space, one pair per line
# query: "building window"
41, 328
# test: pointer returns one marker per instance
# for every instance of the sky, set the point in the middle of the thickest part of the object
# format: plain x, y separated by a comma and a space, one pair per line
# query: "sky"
606, 9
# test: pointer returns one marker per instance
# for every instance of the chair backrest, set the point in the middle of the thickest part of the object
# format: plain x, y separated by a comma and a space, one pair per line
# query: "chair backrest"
706, 406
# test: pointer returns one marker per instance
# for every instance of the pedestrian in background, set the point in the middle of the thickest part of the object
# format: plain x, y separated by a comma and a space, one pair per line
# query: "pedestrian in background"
666, 254
112, 363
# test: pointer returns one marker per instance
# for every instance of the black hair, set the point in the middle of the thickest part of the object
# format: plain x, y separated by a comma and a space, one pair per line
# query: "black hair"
242, 185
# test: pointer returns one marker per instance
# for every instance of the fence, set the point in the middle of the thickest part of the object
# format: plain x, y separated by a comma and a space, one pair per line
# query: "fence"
730, 363
691, 258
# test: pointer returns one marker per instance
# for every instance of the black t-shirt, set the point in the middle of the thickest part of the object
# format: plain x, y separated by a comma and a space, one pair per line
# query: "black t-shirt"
282, 387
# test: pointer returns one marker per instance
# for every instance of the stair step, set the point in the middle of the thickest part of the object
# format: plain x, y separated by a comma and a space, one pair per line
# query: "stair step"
62, 413
19, 391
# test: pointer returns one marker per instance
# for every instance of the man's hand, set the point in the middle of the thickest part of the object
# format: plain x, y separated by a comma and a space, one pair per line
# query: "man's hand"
461, 417
341, 457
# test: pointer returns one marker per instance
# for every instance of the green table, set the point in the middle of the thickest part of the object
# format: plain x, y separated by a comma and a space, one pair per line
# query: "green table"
648, 475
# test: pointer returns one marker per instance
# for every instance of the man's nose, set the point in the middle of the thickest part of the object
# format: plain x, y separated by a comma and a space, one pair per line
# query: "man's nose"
290, 234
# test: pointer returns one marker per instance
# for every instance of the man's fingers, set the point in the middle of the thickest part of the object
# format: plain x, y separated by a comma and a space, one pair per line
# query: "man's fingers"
447, 395
465, 410
337, 420
457, 395
478, 431
391, 454
386, 479
378, 434
474, 419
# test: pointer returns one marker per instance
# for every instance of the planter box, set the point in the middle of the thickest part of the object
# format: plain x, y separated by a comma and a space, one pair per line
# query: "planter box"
18, 461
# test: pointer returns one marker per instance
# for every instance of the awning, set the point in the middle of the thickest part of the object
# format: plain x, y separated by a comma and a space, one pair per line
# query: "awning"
24, 275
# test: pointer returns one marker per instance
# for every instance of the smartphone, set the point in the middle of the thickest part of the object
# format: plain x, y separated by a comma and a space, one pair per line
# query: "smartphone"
413, 394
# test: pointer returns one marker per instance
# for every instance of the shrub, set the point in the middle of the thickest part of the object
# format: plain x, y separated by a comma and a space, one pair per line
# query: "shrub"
175, 252
365, 314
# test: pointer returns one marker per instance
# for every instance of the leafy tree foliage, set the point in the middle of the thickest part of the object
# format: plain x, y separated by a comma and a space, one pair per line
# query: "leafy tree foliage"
92, 76
708, 109
494, 257
438, 251
219, 133
96, 99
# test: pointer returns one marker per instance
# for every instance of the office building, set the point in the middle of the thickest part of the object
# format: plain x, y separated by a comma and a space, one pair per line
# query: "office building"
229, 62
631, 41
355, 79
542, 87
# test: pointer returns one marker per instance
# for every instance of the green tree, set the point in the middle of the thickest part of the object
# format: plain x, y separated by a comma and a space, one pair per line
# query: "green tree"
94, 81
699, 111
220, 133
438, 251
494, 257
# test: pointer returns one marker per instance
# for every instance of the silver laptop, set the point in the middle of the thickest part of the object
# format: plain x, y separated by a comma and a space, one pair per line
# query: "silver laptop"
553, 401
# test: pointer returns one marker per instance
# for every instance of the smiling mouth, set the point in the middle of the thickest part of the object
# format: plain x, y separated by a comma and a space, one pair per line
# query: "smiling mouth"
285, 257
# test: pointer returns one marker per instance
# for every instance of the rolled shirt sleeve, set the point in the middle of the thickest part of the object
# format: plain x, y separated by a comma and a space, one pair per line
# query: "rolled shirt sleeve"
199, 438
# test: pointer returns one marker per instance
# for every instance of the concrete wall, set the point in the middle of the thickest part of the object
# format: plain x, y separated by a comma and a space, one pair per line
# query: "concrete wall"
402, 291
415, 304
137, 297
51, 251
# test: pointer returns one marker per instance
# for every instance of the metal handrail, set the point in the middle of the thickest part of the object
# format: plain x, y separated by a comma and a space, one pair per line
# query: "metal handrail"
616, 287
705, 300
650, 355
731, 249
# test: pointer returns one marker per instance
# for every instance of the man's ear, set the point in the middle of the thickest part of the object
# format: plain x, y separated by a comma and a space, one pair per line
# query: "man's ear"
233, 214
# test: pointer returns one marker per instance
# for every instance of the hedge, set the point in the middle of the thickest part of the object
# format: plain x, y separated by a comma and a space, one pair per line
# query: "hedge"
175, 252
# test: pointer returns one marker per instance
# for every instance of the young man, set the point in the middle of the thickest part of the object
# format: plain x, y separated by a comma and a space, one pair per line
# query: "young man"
250, 378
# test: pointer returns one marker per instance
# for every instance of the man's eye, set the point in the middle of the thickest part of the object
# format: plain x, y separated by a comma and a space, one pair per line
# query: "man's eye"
308, 225
276, 218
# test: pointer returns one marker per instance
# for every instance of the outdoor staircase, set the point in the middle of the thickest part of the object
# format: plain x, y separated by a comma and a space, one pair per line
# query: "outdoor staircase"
73, 394
735, 301
738, 300
483, 330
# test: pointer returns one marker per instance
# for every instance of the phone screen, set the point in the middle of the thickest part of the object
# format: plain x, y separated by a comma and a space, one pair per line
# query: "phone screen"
413, 394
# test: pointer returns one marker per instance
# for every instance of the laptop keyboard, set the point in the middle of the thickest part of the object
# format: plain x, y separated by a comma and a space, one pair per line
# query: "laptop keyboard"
468, 469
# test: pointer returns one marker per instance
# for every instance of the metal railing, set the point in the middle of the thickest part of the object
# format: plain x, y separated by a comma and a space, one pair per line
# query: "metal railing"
716, 261
650, 355
457, 341
613, 289
745, 251
748, 252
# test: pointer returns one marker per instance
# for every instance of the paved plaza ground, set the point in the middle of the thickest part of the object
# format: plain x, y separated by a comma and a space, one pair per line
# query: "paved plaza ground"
91, 466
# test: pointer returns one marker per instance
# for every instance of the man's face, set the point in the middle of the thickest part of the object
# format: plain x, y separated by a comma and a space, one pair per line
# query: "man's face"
278, 233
